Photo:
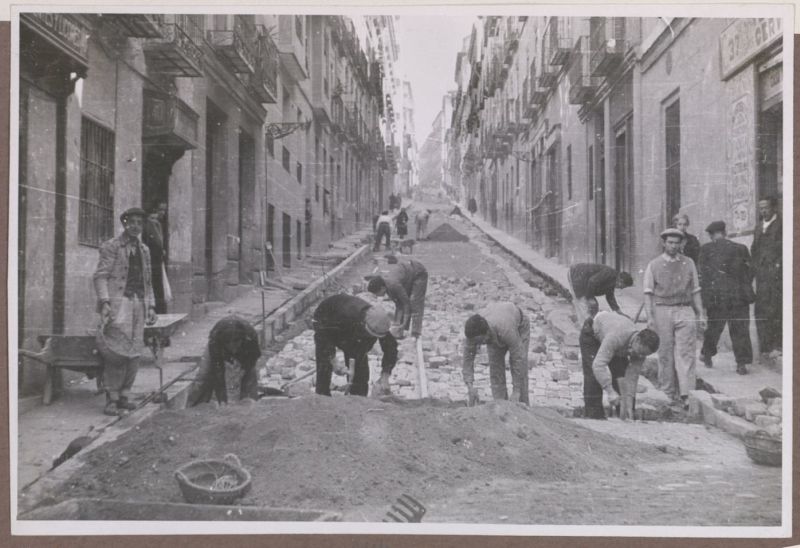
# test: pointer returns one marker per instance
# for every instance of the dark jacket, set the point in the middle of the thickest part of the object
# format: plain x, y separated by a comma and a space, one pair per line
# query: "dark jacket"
593, 280
725, 274
691, 247
341, 317
767, 252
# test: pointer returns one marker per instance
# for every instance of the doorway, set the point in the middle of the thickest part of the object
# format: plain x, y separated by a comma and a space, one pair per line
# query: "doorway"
287, 241
215, 120
553, 212
271, 237
247, 199
623, 196
599, 188
770, 152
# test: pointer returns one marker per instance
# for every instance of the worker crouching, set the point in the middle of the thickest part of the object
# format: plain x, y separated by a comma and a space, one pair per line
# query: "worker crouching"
352, 325
228, 364
504, 328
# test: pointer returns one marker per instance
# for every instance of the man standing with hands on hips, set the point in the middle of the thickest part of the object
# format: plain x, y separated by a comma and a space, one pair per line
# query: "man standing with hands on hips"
672, 294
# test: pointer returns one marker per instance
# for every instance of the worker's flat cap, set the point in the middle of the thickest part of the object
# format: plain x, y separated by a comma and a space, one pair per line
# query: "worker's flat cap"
132, 212
672, 232
716, 226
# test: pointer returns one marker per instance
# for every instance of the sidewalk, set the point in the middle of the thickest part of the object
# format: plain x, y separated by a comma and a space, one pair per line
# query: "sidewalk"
45, 431
722, 377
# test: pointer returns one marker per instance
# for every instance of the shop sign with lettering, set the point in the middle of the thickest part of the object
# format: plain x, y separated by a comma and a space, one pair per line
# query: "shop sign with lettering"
61, 30
744, 39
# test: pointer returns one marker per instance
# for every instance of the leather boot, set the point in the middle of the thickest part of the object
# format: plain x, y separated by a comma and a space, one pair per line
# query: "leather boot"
123, 403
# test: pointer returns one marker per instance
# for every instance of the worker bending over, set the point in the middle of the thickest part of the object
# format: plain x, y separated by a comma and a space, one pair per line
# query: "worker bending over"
588, 281
406, 284
616, 351
352, 325
232, 341
503, 327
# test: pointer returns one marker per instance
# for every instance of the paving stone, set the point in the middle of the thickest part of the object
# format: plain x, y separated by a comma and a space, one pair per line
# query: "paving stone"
775, 408
767, 393
764, 421
753, 409
722, 402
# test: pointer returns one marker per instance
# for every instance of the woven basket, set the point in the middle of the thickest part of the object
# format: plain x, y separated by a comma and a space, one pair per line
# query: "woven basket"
213, 481
763, 448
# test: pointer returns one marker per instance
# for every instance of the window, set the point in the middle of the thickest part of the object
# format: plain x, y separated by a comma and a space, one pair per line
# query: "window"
287, 159
590, 171
316, 193
569, 172
672, 141
270, 143
96, 214
299, 173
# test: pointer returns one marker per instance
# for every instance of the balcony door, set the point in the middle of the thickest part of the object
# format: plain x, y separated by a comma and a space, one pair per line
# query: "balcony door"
247, 200
623, 196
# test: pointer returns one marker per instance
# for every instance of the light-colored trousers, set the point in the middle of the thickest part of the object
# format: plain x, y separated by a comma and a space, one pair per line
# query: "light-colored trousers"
676, 328
518, 364
119, 375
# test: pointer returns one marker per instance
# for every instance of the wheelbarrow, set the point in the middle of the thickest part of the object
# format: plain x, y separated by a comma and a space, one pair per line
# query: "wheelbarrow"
74, 352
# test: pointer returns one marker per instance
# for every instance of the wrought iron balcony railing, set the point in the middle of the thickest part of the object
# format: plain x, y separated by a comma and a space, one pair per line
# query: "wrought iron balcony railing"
582, 84
607, 44
139, 25
237, 45
264, 81
559, 40
177, 51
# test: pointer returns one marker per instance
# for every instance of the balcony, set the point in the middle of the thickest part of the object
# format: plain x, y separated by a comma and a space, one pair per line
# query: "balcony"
237, 46
263, 83
548, 74
582, 84
291, 48
559, 40
139, 25
177, 52
168, 121
607, 44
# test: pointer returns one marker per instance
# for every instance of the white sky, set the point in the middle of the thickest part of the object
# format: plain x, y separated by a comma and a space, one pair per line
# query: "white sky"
428, 48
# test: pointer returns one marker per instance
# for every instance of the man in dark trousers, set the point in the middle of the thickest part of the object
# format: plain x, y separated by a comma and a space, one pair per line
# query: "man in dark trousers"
767, 254
726, 288
234, 342
406, 284
612, 351
352, 325
153, 238
589, 281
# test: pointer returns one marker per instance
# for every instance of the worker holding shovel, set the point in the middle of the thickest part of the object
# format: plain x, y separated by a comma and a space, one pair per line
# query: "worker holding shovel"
406, 284
229, 362
617, 351
352, 325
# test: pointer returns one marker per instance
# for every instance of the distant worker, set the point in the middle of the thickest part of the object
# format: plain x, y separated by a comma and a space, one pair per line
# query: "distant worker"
612, 352
671, 293
422, 223
228, 365
588, 281
691, 245
352, 325
401, 223
504, 328
726, 282
472, 206
406, 284
383, 230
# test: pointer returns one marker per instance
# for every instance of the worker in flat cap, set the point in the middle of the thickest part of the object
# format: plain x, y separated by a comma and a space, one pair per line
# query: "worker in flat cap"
675, 313
125, 302
726, 282
352, 325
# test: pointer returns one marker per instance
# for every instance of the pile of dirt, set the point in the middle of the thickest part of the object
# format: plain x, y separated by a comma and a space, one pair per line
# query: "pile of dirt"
342, 453
446, 233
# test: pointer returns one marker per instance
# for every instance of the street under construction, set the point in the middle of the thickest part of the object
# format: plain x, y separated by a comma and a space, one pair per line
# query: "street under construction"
349, 458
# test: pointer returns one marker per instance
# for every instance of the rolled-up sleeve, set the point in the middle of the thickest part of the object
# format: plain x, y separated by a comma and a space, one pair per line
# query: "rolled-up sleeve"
468, 365
105, 264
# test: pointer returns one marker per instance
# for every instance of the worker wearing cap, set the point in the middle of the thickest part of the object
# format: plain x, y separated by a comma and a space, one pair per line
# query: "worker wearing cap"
615, 353
503, 328
672, 294
352, 325
406, 284
125, 301
726, 280
228, 364
588, 281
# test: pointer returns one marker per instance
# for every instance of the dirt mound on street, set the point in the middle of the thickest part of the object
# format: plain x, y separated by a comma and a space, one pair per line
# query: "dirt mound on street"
342, 453
446, 233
